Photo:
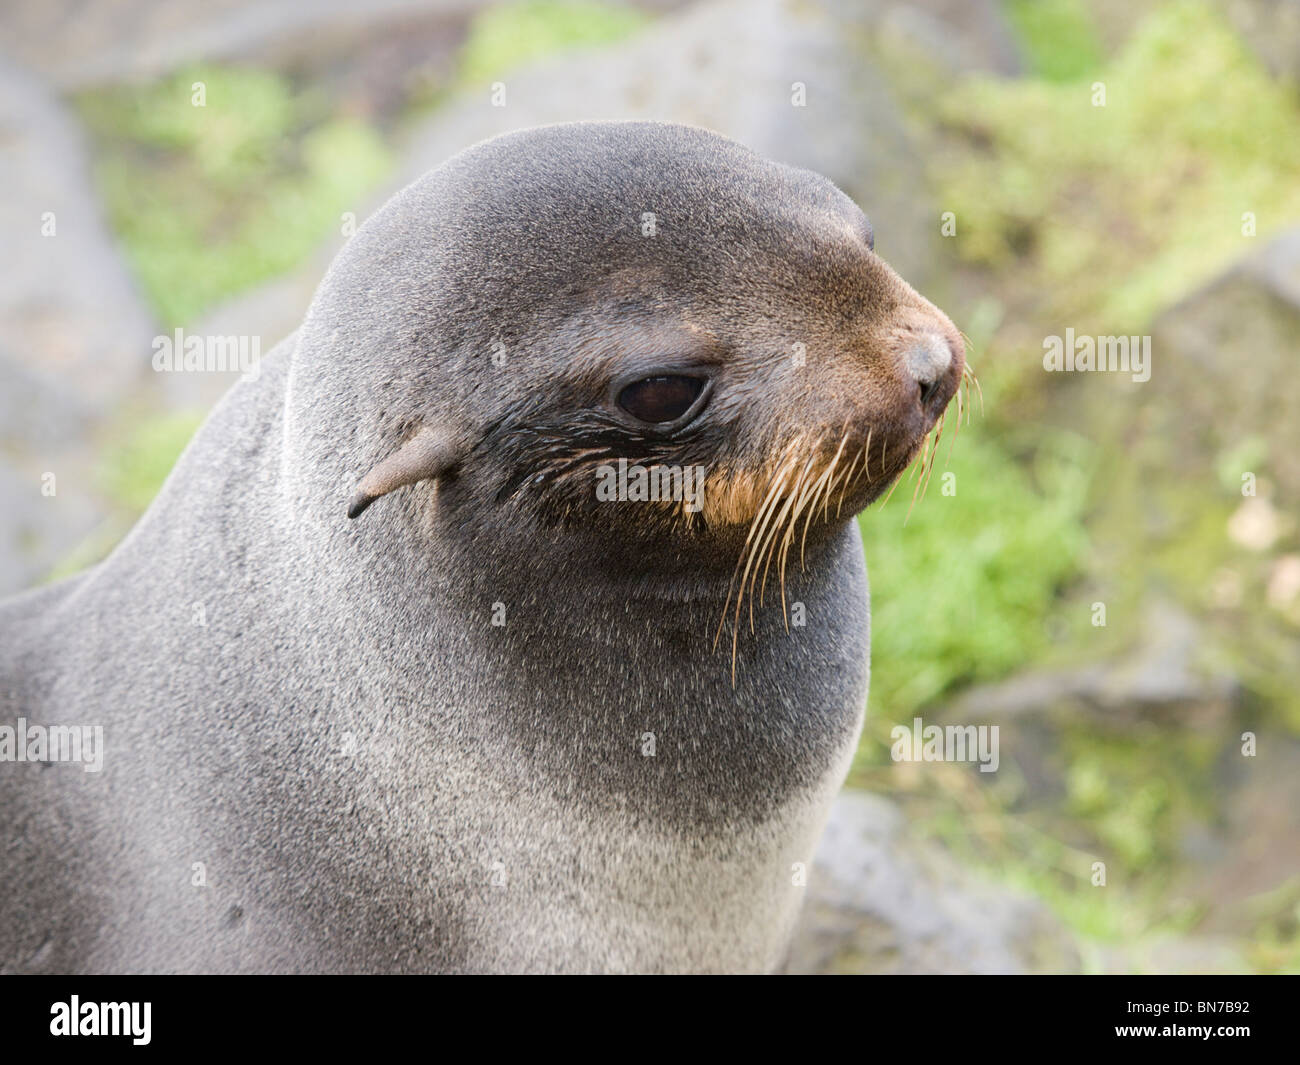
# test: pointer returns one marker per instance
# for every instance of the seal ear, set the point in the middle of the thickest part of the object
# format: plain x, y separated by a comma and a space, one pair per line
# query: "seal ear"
429, 453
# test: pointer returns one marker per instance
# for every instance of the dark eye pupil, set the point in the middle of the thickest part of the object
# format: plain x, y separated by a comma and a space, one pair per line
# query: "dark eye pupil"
660, 399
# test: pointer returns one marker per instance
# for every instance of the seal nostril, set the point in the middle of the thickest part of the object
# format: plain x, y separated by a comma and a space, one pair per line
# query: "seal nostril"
927, 359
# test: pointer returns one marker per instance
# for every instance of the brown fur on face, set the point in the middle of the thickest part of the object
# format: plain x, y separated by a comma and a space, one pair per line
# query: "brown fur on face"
810, 376
758, 278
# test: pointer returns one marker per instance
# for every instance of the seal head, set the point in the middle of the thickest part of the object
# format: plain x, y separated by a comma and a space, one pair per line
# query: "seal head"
583, 295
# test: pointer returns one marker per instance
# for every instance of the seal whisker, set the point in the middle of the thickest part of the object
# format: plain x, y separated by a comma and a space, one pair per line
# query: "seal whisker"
755, 525
827, 480
850, 476
826, 499
840, 488
805, 495
972, 379
756, 554
934, 454
745, 552
779, 507
748, 555
916, 474
892, 489
932, 451
820, 490
807, 500
771, 549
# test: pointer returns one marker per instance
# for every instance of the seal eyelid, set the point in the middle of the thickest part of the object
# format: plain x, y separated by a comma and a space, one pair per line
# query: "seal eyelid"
663, 400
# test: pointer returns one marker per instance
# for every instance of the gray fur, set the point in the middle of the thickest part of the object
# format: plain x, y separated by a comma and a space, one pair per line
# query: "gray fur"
374, 776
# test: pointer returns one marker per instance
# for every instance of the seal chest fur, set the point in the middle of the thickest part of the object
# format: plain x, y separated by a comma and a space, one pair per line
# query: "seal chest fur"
387, 684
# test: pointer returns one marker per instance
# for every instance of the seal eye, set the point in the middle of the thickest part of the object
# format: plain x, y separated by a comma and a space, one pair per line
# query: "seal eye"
659, 400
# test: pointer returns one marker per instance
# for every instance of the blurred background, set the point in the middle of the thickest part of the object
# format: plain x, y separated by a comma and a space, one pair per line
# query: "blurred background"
1001, 185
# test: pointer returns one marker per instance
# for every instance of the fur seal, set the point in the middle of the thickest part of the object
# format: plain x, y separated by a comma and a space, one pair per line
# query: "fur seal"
385, 687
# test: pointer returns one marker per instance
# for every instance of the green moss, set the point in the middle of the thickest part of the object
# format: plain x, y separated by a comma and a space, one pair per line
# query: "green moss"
1169, 535
232, 136
1110, 213
1057, 37
211, 200
512, 35
139, 453
139, 460
961, 588
1249, 453
1136, 800
1275, 943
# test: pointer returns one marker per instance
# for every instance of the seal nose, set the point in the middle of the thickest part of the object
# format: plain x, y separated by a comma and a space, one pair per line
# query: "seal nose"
927, 360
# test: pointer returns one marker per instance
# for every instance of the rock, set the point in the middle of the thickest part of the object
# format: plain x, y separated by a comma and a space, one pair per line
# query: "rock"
36, 416
1272, 29
269, 312
1256, 835
1221, 360
960, 36
45, 431
74, 334
734, 67
75, 45
1163, 679
1170, 956
1172, 683
71, 314
881, 902
37, 531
